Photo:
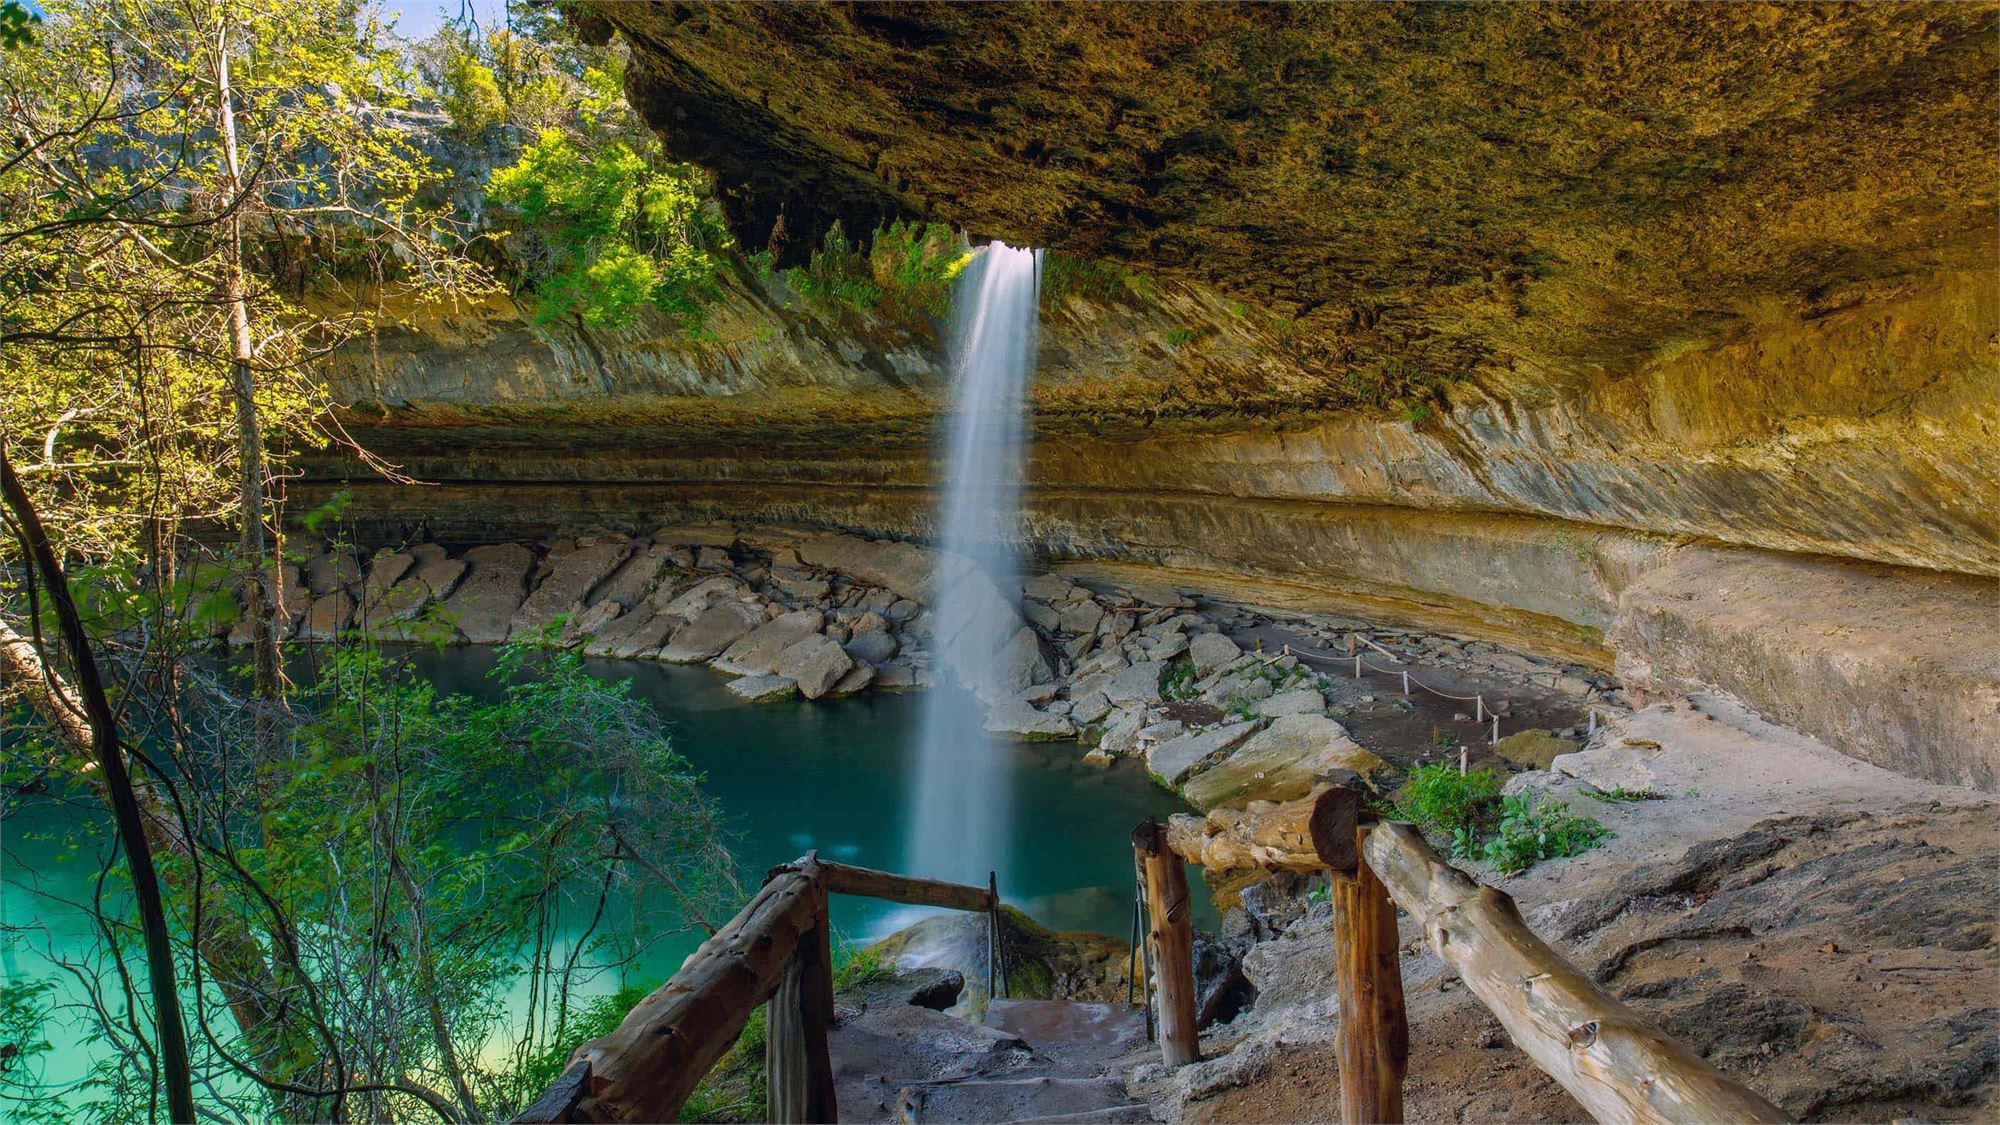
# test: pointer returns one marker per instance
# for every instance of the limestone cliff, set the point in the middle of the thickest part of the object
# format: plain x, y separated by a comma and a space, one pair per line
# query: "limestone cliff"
1549, 322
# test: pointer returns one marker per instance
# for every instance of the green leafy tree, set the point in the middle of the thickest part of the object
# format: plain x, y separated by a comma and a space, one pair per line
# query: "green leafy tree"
607, 234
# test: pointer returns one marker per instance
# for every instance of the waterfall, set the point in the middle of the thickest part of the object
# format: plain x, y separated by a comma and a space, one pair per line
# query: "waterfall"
962, 810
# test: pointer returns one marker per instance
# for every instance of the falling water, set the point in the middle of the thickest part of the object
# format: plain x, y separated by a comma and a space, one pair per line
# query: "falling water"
962, 807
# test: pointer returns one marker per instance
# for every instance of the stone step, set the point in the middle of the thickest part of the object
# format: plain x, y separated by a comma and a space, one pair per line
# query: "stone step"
1037, 1098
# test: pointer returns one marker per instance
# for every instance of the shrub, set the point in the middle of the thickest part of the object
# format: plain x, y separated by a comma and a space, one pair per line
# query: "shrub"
1450, 805
1094, 279
837, 278
1530, 832
613, 234
914, 265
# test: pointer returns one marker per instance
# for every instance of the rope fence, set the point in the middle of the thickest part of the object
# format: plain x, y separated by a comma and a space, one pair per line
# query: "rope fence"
1361, 665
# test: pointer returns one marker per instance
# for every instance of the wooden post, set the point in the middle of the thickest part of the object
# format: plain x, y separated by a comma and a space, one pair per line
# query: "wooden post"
644, 1070
798, 1071
1374, 1034
1172, 940
1616, 1066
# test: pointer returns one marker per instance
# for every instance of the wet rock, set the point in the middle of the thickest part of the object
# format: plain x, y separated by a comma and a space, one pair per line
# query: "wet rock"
712, 630
482, 608
1173, 760
757, 652
816, 663
763, 689
1018, 719
1280, 763
1016, 667
895, 677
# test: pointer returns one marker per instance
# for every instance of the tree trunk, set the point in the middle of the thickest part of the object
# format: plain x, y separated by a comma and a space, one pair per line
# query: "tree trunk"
260, 581
1615, 1065
97, 716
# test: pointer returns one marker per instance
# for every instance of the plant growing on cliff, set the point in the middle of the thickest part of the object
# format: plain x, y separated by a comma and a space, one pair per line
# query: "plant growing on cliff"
1533, 830
609, 234
906, 271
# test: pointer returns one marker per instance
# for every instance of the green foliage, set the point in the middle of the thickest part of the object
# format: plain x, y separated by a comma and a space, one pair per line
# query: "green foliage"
735, 1088
17, 25
1179, 682
860, 966
1450, 805
1618, 794
838, 278
471, 94
1093, 279
1240, 709
1530, 832
612, 234
1181, 337
914, 265
24, 1019
1416, 413
595, 1018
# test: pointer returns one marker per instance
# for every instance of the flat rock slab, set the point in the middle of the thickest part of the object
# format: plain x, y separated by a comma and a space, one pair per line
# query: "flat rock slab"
564, 590
1305, 701
712, 631
1139, 683
1280, 763
1052, 1024
691, 601
638, 633
495, 582
1016, 718
634, 580
817, 663
763, 689
1173, 760
757, 652
902, 567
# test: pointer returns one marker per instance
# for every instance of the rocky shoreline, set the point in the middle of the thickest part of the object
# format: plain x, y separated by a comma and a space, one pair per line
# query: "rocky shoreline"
1210, 695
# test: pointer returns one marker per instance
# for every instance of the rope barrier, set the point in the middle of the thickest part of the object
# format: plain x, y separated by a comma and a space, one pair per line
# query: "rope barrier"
1360, 663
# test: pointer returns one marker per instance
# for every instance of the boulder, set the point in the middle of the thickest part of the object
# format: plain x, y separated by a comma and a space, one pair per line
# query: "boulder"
1304, 701
1158, 596
816, 663
1016, 718
1121, 731
763, 689
428, 553
1047, 587
1139, 683
896, 677
756, 654
712, 558
1534, 749
855, 681
800, 585
873, 647
575, 575
1246, 684
906, 569
1043, 617
1016, 667
634, 580
1211, 652
385, 611
330, 571
439, 576
1168, 647
1279, 763
689, 603
1172, 761
385, 571
482, 608
327, 617
584, 624
1089, 708
639, 632
712, 630
1081, 617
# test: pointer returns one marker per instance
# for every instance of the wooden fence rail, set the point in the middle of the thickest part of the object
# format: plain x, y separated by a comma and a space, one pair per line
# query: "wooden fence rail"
776, 950
1614, 1064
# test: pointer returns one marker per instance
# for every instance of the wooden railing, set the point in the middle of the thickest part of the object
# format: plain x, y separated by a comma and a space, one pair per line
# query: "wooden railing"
777, 950
1615, 1065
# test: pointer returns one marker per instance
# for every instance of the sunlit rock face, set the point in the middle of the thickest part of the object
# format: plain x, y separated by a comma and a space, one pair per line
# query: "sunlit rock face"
1484, 317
